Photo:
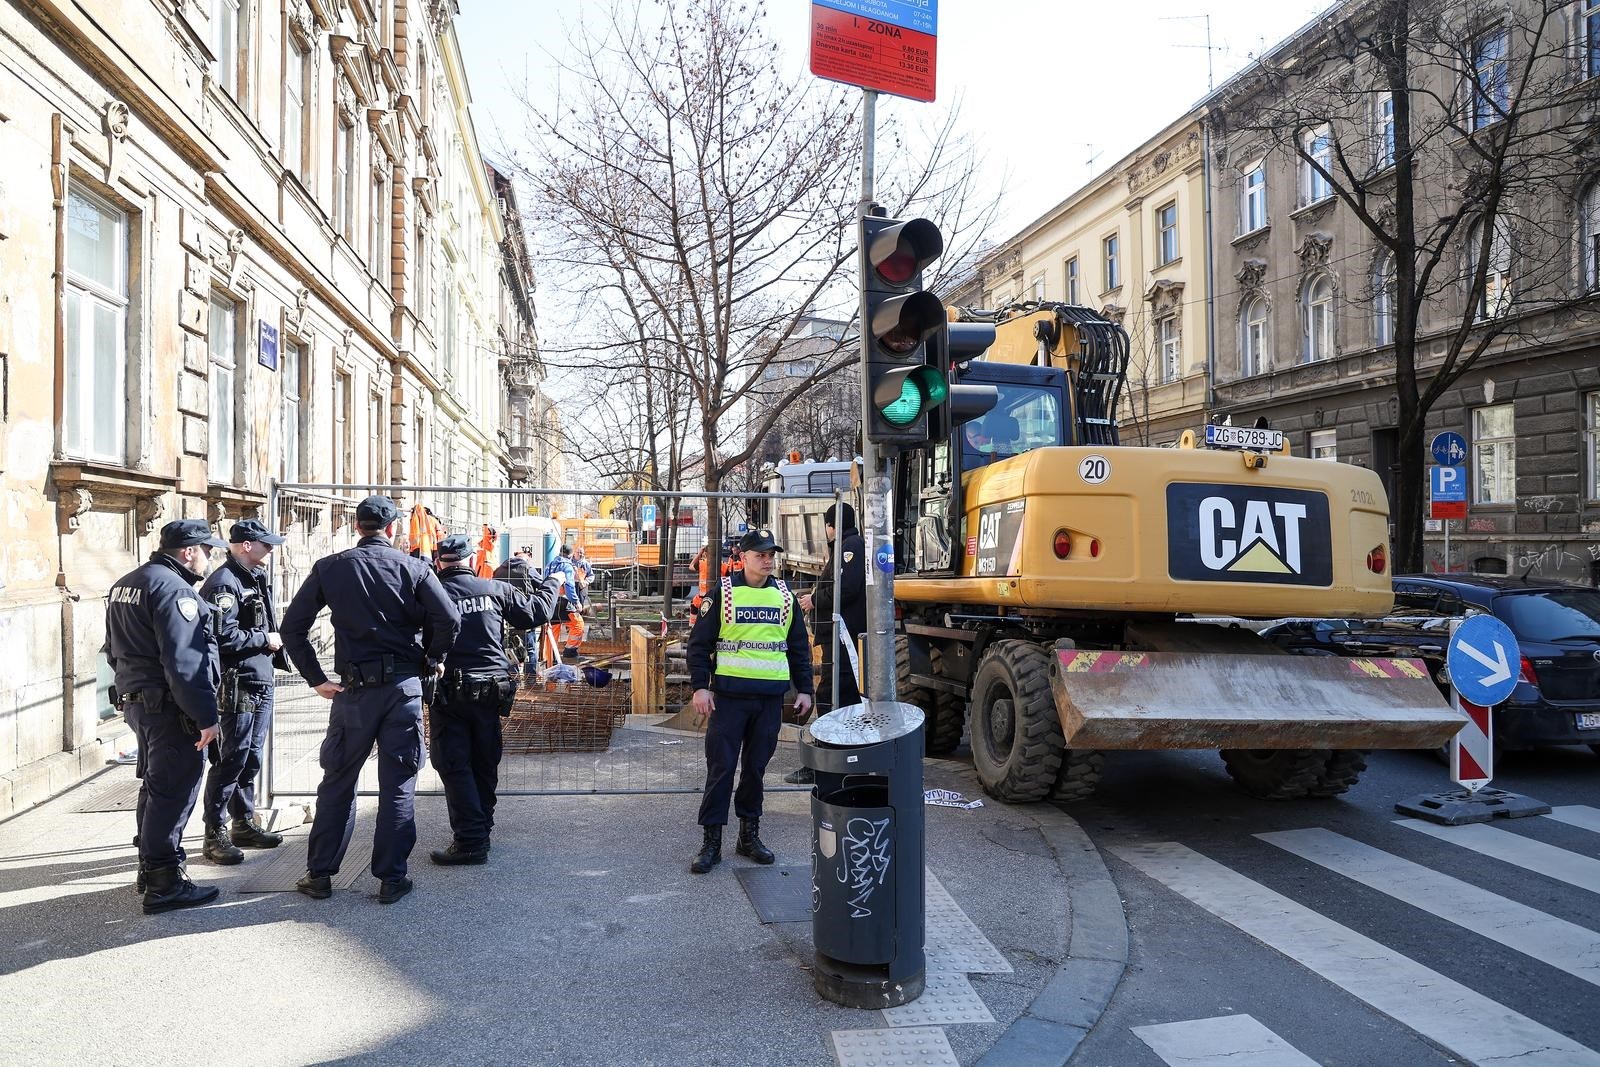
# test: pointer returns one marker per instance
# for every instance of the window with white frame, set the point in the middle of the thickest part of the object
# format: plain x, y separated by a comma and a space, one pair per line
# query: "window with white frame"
421, 300
225, 37
1384, 149
1589, 234
1490, 91
1169, 349
1253, 337
378, 227
1318, 307
1253, 211
1494, 455
1491, 297
344, 178
1324, 444
1166, 233
1072, 281
378, 417
1319, 164
1036, 288
222, 341
344, 443
419, 458
292, 426
296, 93
1111, 258
96, 312
1591, 38
1383, 295
1591, 447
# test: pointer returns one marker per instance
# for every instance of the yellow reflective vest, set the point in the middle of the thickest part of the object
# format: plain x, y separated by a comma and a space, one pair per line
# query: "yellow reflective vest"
753, 639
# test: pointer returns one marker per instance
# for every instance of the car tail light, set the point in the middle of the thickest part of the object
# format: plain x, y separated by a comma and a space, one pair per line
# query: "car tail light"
1378, 560
1063, 544
1527, 672
1094, 548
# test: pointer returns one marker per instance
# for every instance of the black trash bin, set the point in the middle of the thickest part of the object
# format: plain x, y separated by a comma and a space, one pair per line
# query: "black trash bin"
867, 918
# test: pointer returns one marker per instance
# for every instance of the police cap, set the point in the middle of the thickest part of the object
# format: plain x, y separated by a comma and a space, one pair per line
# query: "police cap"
181, 533
377, 509
759, 541
456, 546
251, 530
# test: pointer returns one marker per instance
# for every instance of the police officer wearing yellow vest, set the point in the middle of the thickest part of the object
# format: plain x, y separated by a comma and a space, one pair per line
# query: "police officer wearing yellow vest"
745, 651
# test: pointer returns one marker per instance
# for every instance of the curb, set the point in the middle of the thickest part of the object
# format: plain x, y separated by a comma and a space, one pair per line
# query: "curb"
1049, 1031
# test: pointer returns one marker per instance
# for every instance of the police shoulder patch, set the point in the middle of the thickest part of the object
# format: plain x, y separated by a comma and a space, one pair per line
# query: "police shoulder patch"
189, 608
225, 602
848, 556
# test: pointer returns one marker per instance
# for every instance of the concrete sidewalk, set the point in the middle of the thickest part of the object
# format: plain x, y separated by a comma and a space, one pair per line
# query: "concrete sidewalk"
585, 940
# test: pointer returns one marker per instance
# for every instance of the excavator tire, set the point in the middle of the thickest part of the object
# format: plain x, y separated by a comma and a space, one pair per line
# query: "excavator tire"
946, 713
1079, 775
1342, 771
1017, 746
1276, 773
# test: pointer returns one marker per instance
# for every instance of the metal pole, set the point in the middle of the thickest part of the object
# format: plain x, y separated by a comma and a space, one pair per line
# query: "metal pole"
875, 493
838, 599
1446, 545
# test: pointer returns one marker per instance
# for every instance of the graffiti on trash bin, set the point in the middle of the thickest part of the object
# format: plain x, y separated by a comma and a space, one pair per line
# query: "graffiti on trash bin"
866, 844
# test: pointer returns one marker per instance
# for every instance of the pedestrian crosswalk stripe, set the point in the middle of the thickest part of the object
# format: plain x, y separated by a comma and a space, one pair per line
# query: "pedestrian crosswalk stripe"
1519, 851
1561, 944
1226, 1041
1440, 1009
1580, 815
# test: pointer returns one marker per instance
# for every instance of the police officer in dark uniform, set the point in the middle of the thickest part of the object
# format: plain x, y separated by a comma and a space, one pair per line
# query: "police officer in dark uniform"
851, 605
247, 635
160, 643
475, 692
745, 651
379, 599
518, 574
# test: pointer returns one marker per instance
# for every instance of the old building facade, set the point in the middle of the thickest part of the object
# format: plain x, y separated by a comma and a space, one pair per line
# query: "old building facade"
246, 242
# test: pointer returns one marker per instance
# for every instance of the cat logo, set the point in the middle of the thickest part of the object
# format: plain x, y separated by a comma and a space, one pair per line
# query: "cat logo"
1224, 533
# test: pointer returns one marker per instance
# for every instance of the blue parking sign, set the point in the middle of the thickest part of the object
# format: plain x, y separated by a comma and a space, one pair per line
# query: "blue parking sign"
647, 514
1447, 485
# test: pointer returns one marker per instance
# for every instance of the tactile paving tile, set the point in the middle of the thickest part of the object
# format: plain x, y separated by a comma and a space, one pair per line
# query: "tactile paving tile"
948, 998
779, 894
906, 1046
124, 796
954, 942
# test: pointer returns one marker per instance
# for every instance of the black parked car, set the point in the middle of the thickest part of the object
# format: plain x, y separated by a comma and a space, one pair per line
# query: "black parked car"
1557, 626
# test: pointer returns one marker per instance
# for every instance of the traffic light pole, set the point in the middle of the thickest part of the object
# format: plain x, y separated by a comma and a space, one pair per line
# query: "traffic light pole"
878, 649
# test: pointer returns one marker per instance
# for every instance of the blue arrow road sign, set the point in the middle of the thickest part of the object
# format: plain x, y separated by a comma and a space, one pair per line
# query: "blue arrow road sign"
1447, 485
1484, 660
1449, 449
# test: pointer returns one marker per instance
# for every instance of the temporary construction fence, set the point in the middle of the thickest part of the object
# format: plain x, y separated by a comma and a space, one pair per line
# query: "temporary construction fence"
616, 720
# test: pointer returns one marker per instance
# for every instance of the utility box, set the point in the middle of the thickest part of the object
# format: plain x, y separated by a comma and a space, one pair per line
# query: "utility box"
867, 854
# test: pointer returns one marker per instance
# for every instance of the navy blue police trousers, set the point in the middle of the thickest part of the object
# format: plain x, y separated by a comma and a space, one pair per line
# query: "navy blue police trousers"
170, 770
741, 735
389, 716
231, 781
466, 742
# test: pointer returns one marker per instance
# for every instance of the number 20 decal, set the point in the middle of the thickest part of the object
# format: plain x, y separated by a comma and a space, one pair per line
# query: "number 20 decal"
1094, 469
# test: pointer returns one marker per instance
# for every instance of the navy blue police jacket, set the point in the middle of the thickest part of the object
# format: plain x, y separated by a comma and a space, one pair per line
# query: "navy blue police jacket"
158, 636
242, 599
702, 648
516, 573
486, 605
379, 599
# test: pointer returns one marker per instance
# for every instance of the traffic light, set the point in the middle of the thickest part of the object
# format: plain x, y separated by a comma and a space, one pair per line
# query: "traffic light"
899, 316
957, 343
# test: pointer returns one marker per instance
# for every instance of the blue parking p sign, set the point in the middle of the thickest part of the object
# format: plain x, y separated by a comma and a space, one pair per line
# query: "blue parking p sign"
1447, 485
647, 514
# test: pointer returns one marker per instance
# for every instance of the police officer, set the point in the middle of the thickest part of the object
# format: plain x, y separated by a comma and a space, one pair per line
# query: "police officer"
851, 605
160, 643
240, 594
744, 653
475, 693
379, 599
517, 572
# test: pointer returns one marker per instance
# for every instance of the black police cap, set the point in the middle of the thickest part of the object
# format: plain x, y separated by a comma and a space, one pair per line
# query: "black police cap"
377, 509
182, 533
251, 530
759, 541
456, 546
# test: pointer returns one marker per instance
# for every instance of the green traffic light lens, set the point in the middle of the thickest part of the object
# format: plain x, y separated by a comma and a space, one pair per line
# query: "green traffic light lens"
904, 410
935, 389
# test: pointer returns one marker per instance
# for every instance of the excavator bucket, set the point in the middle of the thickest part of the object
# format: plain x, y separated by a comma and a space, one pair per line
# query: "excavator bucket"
1153, 700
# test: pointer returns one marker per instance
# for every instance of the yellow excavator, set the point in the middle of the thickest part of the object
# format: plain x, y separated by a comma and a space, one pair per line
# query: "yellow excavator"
1061, 594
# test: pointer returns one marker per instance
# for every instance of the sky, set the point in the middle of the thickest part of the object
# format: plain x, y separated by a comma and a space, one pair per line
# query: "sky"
1043, 85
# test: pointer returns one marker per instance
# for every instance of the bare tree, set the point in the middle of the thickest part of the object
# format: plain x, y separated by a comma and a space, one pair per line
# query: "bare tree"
1457, 134
691, 189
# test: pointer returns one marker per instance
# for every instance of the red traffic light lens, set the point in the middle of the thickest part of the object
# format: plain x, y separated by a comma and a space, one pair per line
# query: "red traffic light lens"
899, 267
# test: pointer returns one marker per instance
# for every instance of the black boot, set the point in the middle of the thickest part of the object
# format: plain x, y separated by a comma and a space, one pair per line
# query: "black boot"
750, 842
457, 855
220, 847
710, 851
169, 888
249, 834
138, 881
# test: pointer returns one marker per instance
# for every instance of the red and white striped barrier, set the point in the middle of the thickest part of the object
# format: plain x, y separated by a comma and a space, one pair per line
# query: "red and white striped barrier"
1472, 748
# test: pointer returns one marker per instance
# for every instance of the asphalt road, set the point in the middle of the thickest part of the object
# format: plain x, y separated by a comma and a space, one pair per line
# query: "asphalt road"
1344, 936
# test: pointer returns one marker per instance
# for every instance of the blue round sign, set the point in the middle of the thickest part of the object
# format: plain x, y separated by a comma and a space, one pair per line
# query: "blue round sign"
1449, 450
1484, 660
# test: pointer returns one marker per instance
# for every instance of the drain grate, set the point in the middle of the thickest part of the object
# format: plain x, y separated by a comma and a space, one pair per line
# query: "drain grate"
124, 796
288, 863
779, 894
